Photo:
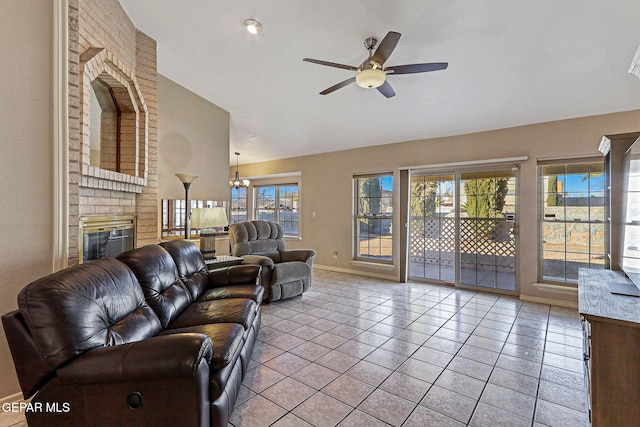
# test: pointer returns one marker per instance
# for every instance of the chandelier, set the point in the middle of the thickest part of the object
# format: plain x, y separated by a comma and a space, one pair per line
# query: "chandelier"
237, 182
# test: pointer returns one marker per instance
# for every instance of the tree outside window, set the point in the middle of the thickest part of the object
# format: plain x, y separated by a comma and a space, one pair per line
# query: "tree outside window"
374, 217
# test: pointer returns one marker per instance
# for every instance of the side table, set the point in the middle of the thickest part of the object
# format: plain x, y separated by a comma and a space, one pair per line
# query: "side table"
222, 261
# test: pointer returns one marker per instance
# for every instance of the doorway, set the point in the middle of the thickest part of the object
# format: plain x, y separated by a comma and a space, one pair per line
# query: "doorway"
462, 228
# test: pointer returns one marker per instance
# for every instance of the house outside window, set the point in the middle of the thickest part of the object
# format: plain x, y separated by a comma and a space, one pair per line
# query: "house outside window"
238, 209
279, 203
572, 218
373, 207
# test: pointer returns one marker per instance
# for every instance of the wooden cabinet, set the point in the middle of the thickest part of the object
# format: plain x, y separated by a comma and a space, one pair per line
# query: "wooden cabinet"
611, 329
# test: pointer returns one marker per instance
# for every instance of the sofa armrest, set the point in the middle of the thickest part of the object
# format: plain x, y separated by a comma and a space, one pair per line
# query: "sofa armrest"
159, 357
303, 255
235, 275
263, 261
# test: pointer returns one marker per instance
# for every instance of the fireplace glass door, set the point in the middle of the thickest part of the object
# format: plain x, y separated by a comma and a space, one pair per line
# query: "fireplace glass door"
106, 237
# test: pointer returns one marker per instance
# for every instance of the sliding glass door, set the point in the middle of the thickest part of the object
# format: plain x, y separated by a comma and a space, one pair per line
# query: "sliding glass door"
462, 228
433, 227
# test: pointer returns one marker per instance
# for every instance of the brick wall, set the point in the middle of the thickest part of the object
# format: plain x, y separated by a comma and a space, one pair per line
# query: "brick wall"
95, 25
147, 201
74, 132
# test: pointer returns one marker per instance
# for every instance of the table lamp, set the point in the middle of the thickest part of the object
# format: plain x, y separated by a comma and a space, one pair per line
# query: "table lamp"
205, 219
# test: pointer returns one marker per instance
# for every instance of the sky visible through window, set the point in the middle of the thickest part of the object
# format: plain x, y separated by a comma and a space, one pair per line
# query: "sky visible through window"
387, 183
578, 184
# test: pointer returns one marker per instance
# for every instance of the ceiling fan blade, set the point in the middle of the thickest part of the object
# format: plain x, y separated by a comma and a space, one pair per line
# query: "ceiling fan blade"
386, 90
338, 86
331, 64
416, 68
387, 45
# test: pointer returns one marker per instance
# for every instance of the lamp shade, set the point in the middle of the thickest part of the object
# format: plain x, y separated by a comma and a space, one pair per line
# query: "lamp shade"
370, 78
208, 217
186, 178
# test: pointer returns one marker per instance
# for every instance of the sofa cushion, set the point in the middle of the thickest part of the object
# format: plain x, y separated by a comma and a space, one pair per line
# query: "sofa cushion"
290, 271
190, 264
159, 279
254, 293
238, 281
234, 310
86, 306
225, 337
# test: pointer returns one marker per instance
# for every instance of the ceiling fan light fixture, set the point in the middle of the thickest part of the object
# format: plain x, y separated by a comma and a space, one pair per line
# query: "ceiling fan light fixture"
371, 78
253, 26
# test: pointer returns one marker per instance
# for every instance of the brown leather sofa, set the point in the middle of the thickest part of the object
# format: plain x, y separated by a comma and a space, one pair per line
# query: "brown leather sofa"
285, 273
149, 339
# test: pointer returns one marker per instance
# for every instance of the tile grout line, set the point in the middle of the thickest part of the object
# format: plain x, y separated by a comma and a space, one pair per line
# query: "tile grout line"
368, 294
535, 403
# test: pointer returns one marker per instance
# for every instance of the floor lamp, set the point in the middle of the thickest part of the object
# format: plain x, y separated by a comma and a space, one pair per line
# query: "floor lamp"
186, 180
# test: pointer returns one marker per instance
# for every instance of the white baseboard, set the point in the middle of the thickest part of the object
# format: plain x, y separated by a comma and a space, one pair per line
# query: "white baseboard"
556, 289
356, 272
373, 265
562, 290
550, 301
565, 291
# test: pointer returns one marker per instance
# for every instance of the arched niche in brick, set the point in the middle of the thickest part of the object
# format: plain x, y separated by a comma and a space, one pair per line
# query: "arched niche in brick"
123, 122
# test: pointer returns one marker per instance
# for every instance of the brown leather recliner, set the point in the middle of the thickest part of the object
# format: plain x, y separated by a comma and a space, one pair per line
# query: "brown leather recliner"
285, 273
150, 338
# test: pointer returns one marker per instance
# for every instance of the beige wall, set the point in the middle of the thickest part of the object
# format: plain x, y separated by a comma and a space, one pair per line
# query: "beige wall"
327, 191
26, 213
193, 138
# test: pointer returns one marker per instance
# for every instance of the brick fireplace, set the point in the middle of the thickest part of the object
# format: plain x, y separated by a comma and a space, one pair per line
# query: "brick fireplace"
109, 56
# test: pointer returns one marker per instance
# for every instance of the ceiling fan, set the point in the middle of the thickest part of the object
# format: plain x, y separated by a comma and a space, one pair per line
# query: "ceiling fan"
371, 74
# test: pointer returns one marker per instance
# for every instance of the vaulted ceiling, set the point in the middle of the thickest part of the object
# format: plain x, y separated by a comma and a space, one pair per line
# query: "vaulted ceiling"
510, 63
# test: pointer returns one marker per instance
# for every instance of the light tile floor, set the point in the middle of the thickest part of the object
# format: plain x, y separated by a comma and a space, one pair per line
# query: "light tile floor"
356, 351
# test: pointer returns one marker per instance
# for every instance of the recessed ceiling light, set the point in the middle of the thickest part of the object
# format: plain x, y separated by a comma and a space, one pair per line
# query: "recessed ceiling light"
252, 26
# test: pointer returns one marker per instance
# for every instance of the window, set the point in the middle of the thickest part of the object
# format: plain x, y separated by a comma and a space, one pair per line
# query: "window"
278, 203
572, 223
373, 217
238, 211
173, 214
631, 235
172, 217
